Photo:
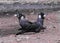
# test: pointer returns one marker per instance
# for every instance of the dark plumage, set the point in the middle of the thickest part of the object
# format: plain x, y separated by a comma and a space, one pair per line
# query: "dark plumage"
38, 25
24, 23
31, 26
41, 17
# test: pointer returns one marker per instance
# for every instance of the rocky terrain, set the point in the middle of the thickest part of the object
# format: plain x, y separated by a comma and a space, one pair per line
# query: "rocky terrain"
30, 1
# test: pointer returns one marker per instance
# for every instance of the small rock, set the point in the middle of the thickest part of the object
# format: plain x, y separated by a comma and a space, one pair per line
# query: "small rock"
54, 27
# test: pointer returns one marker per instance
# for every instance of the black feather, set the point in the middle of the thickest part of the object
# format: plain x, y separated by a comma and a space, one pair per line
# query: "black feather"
32, 26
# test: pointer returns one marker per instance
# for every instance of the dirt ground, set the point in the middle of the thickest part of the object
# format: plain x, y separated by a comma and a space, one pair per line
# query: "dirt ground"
9, 27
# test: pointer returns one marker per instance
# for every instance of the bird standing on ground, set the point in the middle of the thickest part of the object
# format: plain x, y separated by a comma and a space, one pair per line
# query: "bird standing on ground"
37, 26
26, 25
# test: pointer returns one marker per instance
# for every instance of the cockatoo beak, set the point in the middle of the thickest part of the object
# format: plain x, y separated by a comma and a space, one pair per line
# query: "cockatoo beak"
44, 15
15, 15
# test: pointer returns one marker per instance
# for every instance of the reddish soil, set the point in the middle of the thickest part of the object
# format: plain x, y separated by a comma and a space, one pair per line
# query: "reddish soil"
9, 27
